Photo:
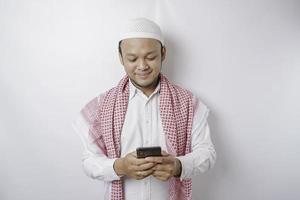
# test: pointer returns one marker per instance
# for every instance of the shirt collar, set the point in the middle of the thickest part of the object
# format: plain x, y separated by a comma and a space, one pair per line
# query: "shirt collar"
133, 90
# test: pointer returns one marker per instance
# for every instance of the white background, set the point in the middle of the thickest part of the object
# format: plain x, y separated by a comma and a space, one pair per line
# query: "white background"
242, 58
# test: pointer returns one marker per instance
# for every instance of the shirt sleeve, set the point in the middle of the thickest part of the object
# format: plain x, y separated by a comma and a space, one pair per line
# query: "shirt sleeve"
95, 163
203, 154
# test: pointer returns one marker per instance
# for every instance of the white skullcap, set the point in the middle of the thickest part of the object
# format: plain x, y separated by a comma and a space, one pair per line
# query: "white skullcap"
141, 28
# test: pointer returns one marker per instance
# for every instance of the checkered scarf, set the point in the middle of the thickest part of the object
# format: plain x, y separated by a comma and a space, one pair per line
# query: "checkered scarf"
106, 116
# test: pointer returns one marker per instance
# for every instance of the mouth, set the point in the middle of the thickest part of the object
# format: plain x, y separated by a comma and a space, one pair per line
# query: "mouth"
143, 75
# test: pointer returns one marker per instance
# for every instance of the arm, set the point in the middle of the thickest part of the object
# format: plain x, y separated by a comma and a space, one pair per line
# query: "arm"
95, 164
203, 155
201, 158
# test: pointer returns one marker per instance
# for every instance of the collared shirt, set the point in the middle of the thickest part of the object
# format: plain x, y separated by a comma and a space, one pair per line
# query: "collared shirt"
143, 127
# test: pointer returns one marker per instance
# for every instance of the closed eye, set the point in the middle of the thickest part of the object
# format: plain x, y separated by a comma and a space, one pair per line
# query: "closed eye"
151, 58
132, 60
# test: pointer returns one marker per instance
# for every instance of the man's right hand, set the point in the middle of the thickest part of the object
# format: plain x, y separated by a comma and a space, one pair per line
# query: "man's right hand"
133, 167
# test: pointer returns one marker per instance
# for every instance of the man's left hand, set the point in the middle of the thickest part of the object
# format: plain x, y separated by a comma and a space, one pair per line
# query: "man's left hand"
167, 166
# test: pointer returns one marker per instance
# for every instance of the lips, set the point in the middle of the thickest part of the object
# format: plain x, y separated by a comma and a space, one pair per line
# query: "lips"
143, 74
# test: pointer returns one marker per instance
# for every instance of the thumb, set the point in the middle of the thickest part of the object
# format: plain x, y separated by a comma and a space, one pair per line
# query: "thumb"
133, 153
164, 153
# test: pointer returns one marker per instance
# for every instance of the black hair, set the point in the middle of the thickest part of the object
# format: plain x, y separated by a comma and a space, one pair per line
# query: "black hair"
120, 50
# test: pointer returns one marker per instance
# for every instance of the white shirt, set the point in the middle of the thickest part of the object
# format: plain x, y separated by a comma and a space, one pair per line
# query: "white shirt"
143, 127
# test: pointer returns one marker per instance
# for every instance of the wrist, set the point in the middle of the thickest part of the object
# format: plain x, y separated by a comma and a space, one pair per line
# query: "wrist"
118, 167
178, 168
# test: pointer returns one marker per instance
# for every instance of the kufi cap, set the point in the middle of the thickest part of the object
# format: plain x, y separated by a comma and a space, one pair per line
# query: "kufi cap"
141, 28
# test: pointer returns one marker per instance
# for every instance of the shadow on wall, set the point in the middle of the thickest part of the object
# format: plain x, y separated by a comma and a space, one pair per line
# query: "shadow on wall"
208, 183
173, 58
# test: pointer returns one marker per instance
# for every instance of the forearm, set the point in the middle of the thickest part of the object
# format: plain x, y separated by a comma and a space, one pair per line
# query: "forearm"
95, 163
202, 157
99, 167
197, 162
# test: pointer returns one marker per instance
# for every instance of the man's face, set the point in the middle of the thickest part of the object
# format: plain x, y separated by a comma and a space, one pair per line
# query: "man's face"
142, 60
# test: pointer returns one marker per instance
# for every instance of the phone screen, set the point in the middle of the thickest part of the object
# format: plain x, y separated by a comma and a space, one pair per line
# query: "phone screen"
143, 152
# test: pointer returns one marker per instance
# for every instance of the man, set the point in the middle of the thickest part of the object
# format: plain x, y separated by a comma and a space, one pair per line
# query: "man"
145, 110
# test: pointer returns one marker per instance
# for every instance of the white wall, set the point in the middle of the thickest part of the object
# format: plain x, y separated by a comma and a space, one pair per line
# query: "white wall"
241, 57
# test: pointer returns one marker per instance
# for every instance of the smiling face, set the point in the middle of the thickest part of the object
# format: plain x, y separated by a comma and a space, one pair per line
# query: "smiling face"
142, 60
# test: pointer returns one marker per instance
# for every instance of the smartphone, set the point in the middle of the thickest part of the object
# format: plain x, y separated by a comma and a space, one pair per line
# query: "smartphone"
143, 152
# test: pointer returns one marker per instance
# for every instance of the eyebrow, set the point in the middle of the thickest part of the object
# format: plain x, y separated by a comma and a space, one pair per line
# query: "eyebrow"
132, 54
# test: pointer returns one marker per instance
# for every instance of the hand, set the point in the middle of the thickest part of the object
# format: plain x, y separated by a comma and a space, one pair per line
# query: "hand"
133, 167
167, 166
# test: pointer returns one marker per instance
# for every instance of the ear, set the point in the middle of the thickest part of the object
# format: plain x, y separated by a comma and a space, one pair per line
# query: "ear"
164, 51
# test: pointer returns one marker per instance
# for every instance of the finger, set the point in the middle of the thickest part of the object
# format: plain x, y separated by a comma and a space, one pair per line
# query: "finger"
156, 159
145, 173
136, 161
163, 167
159, 167
161, 159
164, 153
139, 161
133, 153
160, 175
136, 166
146, 166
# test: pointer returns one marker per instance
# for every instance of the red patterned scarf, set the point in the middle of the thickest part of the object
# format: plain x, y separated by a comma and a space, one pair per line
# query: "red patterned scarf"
106, 115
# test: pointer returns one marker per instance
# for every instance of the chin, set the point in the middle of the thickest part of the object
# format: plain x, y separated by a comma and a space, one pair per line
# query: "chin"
143, 82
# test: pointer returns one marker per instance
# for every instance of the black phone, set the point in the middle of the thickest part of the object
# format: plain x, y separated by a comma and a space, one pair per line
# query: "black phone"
143, 152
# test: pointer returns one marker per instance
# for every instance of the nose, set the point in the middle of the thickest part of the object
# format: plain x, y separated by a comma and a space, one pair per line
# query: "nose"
142, 65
